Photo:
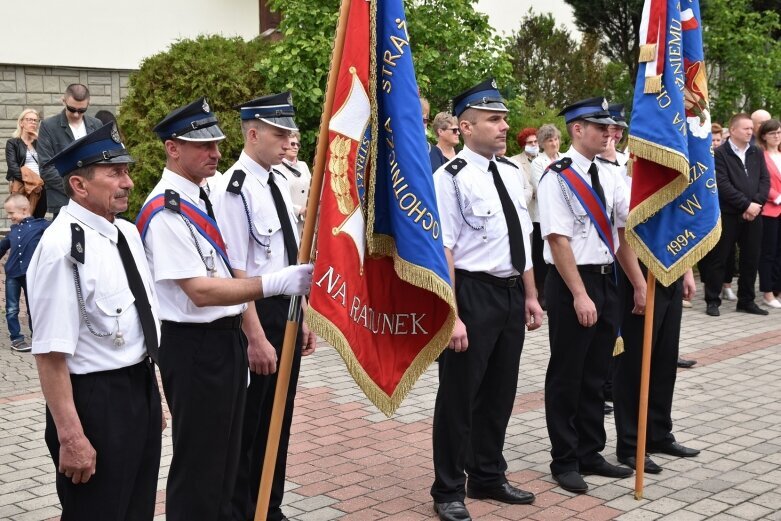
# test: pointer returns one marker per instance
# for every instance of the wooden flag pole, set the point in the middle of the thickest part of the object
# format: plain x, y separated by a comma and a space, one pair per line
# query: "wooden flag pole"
645, 378
304, 256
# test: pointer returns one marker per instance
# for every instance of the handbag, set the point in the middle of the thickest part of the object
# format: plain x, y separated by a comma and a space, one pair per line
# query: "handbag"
31, 186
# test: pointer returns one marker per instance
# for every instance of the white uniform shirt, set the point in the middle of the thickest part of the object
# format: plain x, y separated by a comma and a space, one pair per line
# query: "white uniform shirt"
561, 212
244, 252
618, 169
487, 249
538, 166
173, 256
299, 184
108, 301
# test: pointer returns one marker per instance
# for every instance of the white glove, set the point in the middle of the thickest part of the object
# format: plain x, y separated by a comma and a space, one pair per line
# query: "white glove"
293, 280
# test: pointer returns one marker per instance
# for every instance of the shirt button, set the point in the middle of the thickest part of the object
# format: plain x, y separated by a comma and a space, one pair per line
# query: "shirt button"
119, 310
269, 230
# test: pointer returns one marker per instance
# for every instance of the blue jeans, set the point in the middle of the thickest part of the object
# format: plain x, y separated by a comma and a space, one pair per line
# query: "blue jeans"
13, 290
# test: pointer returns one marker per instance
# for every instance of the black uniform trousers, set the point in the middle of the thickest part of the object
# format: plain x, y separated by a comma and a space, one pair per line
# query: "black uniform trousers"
257, 418
664, 358
477, 389
578, 367
748, 235
204, 370
121, 416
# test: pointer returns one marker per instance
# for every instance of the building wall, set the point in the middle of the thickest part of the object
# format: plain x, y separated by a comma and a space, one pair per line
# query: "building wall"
41, 88
116, 35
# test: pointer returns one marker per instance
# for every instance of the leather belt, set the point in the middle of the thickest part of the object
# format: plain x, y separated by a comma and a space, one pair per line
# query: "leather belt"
503, 282
600, 269
232, 322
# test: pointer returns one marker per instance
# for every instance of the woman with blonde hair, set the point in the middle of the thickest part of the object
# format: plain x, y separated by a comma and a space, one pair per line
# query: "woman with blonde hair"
445, 127
22, 158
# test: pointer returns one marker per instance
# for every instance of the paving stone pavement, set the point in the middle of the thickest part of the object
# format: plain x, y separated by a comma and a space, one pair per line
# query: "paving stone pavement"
348, 461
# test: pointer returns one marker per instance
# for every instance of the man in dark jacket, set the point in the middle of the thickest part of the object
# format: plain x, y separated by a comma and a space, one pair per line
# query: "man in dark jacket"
59, 131
743, 184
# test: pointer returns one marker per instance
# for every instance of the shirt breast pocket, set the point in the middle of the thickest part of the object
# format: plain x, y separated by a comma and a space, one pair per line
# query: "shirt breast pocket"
266, 226
111, 308
490, 215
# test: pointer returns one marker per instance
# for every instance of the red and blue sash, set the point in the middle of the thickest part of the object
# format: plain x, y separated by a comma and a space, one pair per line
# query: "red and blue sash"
590, 201
205, 225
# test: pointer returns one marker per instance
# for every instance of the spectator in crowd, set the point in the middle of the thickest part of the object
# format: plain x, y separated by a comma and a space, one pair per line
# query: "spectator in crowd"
59, 131
550, 137
744, 183
716, 139
769, 139
298, 178
757, 118
21, 157
445, 126
21, 241
527, 140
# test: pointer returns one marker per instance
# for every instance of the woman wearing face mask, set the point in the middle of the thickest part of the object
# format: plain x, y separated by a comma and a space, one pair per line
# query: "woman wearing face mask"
527, 140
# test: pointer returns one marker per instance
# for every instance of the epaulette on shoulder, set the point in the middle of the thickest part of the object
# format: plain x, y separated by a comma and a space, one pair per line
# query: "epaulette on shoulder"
77, 243
507, 162
236, 182
172, 201
560, 165
455, 166
609, 162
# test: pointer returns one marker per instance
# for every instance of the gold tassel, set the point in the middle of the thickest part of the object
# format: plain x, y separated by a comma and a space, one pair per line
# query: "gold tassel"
653, 84
647, 52
619, 347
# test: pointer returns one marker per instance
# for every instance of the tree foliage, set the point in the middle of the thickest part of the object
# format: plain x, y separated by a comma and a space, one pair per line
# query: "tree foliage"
549, 66
743, 57
451, 53
616, 23
212, 66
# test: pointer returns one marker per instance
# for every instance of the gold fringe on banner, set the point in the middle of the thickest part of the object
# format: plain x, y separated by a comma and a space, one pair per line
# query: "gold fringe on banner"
647, 52
667, 276
653, 84
618, 348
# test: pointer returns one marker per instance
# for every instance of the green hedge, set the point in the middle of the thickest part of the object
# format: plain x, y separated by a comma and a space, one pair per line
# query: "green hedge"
222, 69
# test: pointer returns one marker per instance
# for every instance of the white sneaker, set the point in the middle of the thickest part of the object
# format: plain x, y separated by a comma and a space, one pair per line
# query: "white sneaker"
728, 294
775, 304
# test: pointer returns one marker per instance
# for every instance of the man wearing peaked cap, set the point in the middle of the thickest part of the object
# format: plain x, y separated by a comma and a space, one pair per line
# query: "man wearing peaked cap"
203, 358
482, 209
583, 225
255, 213
103, 415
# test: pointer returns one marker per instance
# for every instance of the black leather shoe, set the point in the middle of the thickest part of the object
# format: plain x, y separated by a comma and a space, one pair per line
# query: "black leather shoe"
505, 493
606, 469
752, 308
712, 310
571, 481
674, 449
608, 408
686, 363
650, 466
453, 511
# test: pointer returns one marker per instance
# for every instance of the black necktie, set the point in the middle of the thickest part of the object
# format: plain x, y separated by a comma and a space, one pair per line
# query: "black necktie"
593, 171
143, 307
205, 199
514, 230
291, 249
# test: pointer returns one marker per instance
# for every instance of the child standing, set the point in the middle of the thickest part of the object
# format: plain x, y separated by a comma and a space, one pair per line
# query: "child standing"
22, 240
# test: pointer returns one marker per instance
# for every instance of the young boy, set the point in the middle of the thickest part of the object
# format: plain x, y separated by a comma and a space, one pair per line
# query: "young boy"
22, 240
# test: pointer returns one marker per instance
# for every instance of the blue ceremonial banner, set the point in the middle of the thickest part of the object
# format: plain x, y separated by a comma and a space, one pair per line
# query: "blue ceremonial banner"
381, 292
674, 217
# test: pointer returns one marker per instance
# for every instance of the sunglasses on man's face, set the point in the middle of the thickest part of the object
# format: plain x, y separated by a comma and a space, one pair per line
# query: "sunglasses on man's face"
74, 110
